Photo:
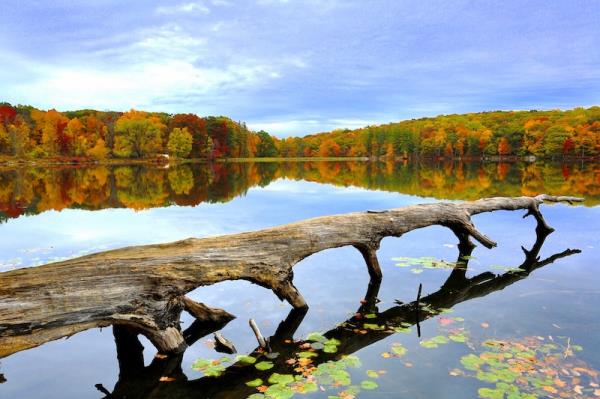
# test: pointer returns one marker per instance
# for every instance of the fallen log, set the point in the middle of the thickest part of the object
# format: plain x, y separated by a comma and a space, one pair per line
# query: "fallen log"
232, 384
144, 287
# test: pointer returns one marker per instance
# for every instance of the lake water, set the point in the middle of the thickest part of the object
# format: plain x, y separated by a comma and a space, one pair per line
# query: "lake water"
492, 332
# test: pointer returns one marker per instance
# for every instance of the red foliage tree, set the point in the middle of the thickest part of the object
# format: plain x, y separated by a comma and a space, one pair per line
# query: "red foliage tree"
7, 114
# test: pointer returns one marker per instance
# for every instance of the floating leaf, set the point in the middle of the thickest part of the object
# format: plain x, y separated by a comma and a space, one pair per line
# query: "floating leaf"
398, 349
211, 368
489, 393
264, 365
255, 383
375, 327
440, 339
429, 344
246, 359
307, 354
316, 337
279, 391
277, 378
369, 385
372, 374
458, 337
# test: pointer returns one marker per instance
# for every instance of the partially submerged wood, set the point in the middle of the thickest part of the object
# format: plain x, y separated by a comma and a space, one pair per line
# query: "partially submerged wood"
138, 381
224, 345
144, 287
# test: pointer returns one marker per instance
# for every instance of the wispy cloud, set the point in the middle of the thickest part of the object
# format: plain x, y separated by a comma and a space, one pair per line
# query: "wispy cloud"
183, 8
203, 7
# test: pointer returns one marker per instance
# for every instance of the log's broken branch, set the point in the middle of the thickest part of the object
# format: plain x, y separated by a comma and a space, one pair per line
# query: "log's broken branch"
262, 342
145, 287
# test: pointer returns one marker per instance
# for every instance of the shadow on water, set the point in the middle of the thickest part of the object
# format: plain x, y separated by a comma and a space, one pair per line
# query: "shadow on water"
139, 381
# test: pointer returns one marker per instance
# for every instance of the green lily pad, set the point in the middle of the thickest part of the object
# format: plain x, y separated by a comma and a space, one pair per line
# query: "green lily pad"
372, 374
246, 359
284, 379
255, 383
264, 365
307, 354
369, 385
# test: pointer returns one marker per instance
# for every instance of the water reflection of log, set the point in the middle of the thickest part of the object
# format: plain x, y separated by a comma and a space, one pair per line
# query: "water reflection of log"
144, 286
143, 382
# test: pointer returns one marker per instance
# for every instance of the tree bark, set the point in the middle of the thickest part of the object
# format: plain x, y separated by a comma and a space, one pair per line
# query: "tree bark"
144, 287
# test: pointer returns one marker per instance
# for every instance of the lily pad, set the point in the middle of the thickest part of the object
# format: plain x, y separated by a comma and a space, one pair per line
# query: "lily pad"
264, 365
369, 385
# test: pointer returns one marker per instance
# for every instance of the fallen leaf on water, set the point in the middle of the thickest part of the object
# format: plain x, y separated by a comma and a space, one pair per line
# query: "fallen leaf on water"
166, 379
549, 388
484, 325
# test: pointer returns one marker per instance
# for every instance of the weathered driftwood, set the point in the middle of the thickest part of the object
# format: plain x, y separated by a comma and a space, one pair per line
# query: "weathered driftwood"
137, 381
144, 286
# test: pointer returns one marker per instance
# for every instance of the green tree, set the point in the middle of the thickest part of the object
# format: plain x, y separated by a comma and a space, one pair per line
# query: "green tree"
266, 147
554, 140
138, 135
180, 143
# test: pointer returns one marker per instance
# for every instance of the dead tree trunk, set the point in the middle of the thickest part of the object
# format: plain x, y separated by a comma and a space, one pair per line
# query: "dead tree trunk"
144, 286
145, 383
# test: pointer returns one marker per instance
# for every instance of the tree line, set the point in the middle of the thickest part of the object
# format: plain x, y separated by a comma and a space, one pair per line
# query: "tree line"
26, 132
555, 133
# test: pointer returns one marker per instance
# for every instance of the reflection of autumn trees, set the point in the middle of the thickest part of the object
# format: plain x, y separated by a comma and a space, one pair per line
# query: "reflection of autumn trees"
139, 187
181, 180
35, 190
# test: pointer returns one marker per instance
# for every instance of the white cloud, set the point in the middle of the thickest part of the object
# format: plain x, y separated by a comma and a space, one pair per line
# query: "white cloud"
296, 127
163, 63
201, 7
135, 86
184, 8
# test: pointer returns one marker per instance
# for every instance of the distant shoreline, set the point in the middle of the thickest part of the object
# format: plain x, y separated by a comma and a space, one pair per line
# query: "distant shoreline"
14, 162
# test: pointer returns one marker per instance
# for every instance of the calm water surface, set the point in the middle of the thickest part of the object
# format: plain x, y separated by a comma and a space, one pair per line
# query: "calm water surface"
50, 214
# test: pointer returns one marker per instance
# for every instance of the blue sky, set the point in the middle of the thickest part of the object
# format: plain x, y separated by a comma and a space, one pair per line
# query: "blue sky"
299, 67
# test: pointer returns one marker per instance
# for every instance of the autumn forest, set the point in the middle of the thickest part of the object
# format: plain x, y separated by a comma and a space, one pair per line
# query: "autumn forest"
30, 133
